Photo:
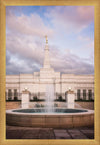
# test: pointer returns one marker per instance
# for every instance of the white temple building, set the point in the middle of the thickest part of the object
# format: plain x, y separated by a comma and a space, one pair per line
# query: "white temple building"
36, 83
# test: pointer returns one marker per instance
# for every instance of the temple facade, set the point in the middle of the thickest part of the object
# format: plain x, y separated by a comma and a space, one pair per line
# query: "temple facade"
39, 83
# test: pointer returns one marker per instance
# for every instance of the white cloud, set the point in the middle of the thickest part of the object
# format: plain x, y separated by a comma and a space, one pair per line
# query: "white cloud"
72, 18
27, 25
24, 42
70, 63
65, 63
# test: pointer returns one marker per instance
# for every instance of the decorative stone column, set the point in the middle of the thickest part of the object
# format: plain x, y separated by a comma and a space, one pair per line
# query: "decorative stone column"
70, 97
25, 99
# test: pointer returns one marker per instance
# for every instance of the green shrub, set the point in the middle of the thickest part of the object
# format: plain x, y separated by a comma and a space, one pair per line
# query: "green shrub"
35, 98
37, 105
60, 98
9, 98
38, 100
84, 100
15, 98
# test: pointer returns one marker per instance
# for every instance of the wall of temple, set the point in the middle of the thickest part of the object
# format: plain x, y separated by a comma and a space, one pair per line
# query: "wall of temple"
37, 85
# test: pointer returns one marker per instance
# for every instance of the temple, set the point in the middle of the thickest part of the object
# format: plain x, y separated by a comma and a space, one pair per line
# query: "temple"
82, 85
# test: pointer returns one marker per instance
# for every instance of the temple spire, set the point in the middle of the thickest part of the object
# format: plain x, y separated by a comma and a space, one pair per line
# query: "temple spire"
46, 39
46, 56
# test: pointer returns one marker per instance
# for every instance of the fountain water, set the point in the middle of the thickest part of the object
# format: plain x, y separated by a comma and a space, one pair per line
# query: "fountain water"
49, 98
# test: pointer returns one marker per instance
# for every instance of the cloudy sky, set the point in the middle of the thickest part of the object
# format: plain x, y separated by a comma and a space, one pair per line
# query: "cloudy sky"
70, 31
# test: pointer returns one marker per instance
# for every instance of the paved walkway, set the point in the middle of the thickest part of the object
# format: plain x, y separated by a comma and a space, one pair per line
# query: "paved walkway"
14, 132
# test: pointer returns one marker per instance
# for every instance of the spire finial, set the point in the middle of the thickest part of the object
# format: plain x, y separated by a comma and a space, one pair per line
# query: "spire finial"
46, 39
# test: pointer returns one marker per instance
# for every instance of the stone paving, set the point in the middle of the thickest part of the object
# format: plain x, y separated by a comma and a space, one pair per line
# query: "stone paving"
14, 132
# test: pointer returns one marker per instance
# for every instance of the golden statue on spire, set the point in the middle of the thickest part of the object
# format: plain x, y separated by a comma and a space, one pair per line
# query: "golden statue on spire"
46, 39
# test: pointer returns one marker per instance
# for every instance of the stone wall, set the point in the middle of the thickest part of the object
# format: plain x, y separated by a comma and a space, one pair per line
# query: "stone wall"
13, 105
86, 105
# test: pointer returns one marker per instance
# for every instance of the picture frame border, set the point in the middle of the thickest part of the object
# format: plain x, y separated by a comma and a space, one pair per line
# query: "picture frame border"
3, 4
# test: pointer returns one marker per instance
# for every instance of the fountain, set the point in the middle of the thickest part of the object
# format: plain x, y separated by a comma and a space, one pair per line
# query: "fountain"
49, 98
49, 116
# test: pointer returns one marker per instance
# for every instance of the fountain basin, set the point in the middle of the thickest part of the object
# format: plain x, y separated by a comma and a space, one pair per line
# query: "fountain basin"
79, 118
